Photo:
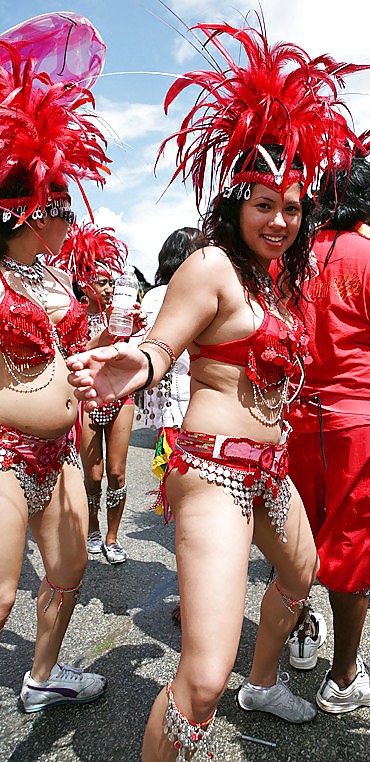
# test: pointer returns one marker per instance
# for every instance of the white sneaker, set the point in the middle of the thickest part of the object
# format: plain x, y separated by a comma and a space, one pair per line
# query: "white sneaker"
277, 699
66, 685
303, 651
94, 542
335, 700
114, 553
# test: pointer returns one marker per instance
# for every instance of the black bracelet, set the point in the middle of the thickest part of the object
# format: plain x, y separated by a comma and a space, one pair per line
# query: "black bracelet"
150, 372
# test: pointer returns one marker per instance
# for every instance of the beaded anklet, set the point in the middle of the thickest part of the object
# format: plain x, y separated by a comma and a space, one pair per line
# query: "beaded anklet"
290, 603
54, 589
186, 736
114, 496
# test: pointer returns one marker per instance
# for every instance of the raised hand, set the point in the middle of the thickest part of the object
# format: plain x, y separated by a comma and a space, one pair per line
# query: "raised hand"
107, 373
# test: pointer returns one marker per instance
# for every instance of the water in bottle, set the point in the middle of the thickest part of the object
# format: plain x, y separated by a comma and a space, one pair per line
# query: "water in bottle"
124, 297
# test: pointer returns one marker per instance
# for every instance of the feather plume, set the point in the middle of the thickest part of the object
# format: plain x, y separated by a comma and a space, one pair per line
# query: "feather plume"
279, 96
85, 247
43, 135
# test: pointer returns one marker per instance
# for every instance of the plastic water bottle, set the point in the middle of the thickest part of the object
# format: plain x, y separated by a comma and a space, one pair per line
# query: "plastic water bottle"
124, 297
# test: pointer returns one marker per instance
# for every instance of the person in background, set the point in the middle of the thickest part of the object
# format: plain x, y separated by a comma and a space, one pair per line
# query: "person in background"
92, 255
268, 129
44, 143
330, 447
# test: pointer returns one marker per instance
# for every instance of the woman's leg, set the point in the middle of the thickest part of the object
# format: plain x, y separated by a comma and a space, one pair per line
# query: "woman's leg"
60, 532
296, 565
93, 467
212, 550
117, 434
13, 527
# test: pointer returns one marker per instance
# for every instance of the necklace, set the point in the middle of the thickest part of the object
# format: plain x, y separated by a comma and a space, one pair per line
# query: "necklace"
32, 277
265, 286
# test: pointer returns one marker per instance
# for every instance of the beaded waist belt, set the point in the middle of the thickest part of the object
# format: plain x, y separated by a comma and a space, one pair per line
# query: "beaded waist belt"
238, 451
248, 471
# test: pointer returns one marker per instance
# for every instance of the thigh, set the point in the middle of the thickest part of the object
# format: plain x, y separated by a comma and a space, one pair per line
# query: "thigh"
60, 530
13, 527
296, 560
212, 551
91, 451
117, 434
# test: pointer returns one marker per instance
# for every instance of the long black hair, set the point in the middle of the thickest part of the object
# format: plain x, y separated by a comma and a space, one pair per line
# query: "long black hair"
221, 226
176, 248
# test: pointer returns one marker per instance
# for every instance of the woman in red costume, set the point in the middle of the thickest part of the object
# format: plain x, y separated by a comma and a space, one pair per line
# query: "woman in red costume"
44, 142
228, 477
91, 255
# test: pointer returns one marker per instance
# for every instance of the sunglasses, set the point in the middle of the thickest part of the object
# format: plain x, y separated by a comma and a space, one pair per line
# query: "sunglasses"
68, 215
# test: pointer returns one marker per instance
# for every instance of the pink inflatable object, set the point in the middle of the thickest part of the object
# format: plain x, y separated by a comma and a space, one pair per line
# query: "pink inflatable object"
65, 45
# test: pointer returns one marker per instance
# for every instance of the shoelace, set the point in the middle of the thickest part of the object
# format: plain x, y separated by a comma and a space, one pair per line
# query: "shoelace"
94, 536
69, 673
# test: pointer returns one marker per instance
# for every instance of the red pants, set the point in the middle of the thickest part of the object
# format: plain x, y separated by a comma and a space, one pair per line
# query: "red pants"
337, 502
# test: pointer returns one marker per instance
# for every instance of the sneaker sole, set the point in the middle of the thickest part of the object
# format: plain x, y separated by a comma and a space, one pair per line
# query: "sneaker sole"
309, 663
58, 702
95, 551
330, 708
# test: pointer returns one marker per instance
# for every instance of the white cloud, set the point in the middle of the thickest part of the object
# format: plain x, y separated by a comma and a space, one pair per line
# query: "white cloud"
148, 224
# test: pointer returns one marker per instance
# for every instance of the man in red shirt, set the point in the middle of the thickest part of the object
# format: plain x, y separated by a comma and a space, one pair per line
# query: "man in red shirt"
330, 447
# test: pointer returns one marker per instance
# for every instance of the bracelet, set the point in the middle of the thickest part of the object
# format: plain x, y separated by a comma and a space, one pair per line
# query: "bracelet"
150, 372
166, 347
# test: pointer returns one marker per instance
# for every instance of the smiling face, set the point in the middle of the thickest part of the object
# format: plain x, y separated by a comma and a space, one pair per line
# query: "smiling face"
269, 222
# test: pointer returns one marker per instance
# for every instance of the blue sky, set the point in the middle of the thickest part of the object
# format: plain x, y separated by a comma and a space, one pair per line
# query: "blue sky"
138, 38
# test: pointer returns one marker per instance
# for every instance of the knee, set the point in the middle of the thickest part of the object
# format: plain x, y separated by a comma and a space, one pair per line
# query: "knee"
7, 600
93, 484
116, 477
205, 689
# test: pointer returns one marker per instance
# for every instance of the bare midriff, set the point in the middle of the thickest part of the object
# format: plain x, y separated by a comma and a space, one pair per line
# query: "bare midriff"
222, 403
46, 413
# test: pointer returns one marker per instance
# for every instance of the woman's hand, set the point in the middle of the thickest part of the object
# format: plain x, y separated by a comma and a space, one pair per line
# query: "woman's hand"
107, 373
140, 319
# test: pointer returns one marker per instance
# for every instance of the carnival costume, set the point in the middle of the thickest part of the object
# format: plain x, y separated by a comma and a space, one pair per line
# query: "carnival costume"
332, 421
45, 140
87, 253
239, 112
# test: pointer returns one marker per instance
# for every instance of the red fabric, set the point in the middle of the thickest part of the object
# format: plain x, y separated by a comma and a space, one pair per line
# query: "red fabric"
267, 354
337, 502
40, 456
27, 333
337, 321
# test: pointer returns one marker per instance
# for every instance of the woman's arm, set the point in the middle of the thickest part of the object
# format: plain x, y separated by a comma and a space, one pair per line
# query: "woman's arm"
190, 305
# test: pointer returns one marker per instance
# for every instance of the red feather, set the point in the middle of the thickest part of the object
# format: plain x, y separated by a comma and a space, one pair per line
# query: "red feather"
43, 136
280, 96
86, 246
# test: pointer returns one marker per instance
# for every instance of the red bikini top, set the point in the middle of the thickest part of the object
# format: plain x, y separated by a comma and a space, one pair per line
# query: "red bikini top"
268, 354
28, 336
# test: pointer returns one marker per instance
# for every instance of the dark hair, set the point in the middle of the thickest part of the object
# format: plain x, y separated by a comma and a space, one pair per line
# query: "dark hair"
344, 198
16, 186
222, 226
144, 284
175, 250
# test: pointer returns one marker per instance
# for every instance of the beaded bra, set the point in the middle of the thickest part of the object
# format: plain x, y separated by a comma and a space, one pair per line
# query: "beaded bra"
269, 355
28, 336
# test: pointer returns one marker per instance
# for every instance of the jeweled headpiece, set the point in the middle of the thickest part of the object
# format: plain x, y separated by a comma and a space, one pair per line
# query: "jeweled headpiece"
280, 96
45, 139
89, 251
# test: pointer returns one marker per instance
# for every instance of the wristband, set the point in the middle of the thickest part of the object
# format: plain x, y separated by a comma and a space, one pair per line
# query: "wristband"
150, 372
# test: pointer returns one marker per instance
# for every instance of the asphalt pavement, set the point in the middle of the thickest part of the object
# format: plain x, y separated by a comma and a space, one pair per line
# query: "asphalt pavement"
122, 627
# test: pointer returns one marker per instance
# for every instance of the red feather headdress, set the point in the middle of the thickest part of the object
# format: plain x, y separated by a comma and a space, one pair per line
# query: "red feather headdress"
89, 251
44, 139
280, 96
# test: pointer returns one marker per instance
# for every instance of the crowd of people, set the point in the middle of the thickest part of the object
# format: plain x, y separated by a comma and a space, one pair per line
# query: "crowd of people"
277, 338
